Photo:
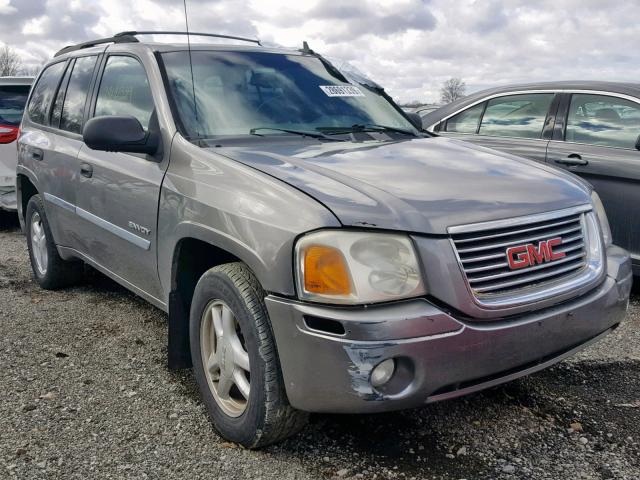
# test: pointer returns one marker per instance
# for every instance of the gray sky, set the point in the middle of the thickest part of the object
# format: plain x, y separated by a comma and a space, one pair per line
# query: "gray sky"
408, 46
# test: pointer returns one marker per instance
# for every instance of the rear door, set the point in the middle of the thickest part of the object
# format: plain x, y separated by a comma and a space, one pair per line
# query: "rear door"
118, 193
47, 155
595, 138
520, 124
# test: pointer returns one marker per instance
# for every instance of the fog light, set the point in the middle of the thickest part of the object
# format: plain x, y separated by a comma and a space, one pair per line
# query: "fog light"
383, 372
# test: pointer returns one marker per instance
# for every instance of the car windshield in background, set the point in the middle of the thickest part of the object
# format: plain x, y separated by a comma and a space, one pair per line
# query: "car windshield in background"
239, 91
12, 101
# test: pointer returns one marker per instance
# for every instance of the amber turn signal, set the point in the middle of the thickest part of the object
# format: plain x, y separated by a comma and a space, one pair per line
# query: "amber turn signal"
325, 271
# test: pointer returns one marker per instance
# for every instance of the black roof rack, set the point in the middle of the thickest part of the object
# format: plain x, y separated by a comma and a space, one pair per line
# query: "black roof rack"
130, 37
118, 38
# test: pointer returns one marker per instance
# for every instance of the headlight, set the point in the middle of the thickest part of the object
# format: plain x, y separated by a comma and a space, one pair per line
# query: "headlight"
602, 217
336, 266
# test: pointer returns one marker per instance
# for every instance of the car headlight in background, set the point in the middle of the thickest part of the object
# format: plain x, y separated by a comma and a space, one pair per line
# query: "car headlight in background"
602, 217
349, 267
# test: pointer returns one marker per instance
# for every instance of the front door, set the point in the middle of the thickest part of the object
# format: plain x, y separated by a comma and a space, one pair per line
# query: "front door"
598, 143
514, 124
118, 192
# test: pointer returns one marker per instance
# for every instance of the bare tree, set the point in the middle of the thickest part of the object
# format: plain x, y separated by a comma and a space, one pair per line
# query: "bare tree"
10, 63
452, 89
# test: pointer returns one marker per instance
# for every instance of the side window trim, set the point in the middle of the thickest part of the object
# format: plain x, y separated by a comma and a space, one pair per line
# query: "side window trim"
36, 82
560, 129
95, 87
484, 109
567, 105
64, 83
444, 124
98, 80
89, 90
515, 94
552, 115
62, 87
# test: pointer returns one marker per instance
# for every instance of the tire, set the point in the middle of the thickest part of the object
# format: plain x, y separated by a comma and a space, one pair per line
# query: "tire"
266, 416
50, 270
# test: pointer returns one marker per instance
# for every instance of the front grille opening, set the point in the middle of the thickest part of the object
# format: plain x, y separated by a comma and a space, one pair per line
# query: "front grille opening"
324, 325
483, 255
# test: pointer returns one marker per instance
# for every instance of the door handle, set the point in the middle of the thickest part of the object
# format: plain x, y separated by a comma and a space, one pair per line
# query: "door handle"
36, 154
86, 170
573, 160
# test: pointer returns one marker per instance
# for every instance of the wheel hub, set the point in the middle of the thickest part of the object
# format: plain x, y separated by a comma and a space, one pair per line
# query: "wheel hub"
224, 358
39, 244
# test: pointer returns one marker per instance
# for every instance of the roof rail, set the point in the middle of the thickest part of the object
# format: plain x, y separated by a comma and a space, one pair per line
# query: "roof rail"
130, 37
197, 34
118, 38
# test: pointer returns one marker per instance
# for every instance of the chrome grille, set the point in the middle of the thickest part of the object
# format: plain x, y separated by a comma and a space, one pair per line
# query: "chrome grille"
483, 254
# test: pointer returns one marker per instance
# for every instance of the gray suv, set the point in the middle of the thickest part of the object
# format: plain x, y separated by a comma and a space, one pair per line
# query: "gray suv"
315, 251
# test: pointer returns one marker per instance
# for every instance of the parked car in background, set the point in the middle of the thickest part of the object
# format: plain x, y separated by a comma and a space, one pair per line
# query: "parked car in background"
424, 110
314, 250
591, 129
13, 96
421, 110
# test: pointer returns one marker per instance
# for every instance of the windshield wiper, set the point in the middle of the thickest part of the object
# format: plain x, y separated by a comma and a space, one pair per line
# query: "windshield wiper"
304, 133
367, 127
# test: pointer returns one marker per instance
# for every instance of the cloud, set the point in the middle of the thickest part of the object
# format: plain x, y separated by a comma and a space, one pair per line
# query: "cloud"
409, 46
6, 8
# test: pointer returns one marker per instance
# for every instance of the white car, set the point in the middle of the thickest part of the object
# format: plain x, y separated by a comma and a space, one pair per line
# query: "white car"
13, 97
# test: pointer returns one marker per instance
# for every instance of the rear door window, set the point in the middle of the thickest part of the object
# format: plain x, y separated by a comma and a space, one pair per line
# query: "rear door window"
74, 101
124, 90
12, 101
521, 116
603, 120
465, 121
44, 92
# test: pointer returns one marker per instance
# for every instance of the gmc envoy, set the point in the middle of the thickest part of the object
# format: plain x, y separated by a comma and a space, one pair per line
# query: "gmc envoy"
314, 250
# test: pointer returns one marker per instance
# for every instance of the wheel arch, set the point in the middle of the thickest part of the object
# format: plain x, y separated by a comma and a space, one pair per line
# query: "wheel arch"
26, 187
192, 256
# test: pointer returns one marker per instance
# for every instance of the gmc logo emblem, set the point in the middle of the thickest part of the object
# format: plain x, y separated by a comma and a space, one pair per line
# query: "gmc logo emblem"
529, 255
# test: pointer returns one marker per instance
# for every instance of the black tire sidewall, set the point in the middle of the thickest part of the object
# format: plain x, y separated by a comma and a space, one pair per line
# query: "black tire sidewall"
215, 285
36, 205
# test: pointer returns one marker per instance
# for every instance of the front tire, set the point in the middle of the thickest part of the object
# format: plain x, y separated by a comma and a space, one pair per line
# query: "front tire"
235, 360
50, 270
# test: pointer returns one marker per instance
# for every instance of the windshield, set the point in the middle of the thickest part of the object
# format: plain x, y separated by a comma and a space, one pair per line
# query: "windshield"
239, 91
12, 101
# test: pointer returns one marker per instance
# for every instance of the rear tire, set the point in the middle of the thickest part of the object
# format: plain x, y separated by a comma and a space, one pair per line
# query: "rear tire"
50, 270
235, 359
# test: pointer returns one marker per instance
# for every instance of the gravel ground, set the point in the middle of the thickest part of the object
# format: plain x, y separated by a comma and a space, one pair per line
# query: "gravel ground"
84, 393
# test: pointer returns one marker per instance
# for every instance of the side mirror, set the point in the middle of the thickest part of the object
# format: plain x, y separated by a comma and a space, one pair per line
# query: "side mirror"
415, 119
638, 143
119, 134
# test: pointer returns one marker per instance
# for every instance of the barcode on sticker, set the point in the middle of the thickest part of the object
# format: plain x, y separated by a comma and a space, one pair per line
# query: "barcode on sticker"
341, 91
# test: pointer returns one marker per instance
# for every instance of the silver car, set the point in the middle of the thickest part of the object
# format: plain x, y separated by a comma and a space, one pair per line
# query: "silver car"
591, 129
13, 97
315, 252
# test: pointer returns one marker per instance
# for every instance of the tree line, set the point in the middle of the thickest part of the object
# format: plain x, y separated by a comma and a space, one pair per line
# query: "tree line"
451, 90
11, 64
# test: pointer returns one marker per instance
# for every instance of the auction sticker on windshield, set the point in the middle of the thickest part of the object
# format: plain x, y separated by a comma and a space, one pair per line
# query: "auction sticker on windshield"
341, 91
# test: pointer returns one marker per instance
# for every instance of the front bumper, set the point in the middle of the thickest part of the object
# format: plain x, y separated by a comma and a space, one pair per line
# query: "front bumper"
438, 356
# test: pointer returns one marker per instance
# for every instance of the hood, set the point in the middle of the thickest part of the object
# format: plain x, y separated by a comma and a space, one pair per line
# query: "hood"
420, 185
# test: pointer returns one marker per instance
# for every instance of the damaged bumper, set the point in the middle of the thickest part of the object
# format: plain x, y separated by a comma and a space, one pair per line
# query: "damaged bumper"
8, 198
327, 354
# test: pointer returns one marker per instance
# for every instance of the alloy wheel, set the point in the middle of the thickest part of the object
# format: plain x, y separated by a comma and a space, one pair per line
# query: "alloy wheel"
39, 244
225, 358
